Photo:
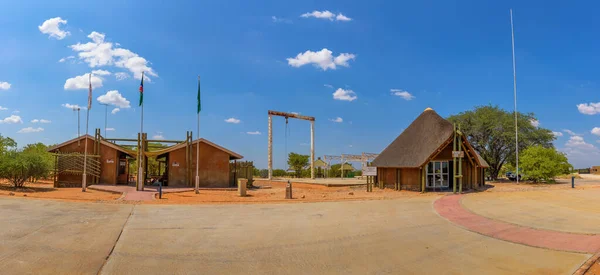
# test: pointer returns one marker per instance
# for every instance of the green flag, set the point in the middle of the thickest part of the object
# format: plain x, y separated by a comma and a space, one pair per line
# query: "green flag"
142, 90
199, 105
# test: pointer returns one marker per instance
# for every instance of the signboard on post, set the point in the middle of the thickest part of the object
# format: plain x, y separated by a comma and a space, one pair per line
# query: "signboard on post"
369, 171
458, 154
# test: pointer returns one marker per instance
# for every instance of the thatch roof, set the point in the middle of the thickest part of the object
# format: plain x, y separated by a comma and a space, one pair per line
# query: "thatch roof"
320, 163
416, 144
419, 142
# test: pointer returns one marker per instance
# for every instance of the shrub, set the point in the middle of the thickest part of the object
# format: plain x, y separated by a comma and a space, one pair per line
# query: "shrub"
543, 164
19, 166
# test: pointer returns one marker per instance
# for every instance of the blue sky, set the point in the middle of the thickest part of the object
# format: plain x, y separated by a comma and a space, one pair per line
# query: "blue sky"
396, 57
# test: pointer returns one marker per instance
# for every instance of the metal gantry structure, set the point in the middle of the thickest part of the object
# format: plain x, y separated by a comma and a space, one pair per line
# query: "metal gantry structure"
363, 158
312, 139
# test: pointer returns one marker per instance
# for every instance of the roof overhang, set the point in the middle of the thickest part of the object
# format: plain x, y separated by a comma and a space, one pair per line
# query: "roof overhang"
232, 155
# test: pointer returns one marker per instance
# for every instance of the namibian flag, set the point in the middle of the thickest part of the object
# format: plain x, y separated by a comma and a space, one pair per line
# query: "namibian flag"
142, 90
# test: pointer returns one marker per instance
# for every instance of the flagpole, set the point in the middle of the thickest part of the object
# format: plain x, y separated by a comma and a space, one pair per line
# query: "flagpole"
198, 144
141, 152
87, 119
515, 94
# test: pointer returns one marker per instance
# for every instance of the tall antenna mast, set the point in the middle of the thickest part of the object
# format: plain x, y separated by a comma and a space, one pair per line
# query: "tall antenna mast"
512, 29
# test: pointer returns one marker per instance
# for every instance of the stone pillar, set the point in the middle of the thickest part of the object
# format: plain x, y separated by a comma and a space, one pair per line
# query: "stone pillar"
270, 153
242, 183
312, 150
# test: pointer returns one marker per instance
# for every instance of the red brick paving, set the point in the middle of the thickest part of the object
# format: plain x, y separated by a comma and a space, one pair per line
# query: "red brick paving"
450, 208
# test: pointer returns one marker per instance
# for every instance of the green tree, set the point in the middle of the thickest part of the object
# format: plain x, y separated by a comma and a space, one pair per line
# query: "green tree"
153, 165
6, 143
491, 131
19, 166
40, 149
297, 162
543, 164
279, 173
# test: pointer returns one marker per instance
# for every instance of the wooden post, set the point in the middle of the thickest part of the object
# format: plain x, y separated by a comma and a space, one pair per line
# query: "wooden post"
460, 165
55, 170
270, 148
422, 180
312, 149
454, 179
145, 159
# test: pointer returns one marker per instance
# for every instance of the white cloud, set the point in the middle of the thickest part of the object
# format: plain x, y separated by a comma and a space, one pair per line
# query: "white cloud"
121, 76
557, 134
233, 120
41, 121
570, 132
341, 17
337, 119
403, 94
534, 122
346, 95
13, 119
72, 106
100, 53
596, 131
158, 136
114, 98
100, 72
322, 59
3, 108
82, 82
30, 130
52, 28
319, 14
66, 58
579, 143
4, 85
115, 110
326, 15
589, 108
328, 86
16, 111
253, 133
280, 20
110, 129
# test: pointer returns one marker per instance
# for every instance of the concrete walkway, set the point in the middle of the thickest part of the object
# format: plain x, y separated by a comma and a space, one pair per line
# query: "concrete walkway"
130, 194
403, 236
450, 208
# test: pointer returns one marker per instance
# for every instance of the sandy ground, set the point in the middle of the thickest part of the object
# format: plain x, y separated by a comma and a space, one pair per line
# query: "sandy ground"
325, 182
276, 194
45, 190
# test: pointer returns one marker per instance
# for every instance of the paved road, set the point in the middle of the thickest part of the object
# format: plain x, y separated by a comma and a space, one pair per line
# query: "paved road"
570, 210
392, 236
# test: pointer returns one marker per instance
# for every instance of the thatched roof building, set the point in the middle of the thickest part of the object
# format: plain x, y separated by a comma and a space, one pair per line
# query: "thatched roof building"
421, 157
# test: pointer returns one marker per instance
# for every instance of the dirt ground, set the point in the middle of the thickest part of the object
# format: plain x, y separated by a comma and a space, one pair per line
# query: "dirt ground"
276, 193
45, 190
